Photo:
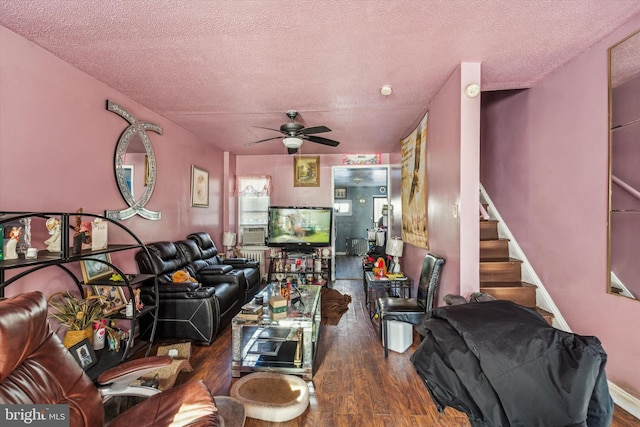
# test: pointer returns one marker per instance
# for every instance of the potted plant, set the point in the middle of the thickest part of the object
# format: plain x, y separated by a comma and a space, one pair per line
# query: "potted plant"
77, 315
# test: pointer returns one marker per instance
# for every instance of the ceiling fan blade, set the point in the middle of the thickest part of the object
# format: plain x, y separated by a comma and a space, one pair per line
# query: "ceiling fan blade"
292, 150
248, 144
314, 129
321, 140
260, 127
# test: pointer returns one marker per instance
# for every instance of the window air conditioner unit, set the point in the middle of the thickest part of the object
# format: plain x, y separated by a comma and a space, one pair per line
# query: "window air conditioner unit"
253, 236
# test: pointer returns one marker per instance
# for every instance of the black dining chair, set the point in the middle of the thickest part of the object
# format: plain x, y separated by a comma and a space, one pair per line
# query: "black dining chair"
411, 310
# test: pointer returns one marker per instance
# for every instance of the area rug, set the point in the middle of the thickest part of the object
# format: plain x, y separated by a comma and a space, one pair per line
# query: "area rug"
271, 397
333, 303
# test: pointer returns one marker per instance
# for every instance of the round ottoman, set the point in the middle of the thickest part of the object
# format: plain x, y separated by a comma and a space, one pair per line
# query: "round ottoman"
271, 397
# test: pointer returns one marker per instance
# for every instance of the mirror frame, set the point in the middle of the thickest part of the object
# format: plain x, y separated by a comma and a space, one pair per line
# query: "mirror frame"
621, 290
136, 128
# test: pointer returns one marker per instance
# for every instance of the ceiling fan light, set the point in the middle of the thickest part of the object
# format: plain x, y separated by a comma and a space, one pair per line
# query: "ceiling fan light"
292, 142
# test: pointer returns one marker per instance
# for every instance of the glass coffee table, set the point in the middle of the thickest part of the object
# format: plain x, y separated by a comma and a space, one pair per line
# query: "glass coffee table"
286, 345
381, 286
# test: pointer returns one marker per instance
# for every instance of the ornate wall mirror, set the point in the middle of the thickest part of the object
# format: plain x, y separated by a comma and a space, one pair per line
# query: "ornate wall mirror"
134, 166
624, 167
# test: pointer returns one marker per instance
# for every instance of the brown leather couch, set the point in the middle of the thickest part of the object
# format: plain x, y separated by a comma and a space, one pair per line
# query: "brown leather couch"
35, 368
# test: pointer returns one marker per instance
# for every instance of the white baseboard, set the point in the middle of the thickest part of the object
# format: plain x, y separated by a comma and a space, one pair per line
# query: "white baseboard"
629, 403
621, 398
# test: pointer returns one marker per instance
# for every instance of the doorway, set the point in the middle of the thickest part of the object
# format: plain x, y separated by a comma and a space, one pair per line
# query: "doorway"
359, 196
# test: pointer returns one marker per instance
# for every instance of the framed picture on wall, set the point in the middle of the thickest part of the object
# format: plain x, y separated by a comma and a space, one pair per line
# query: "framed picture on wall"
306, 171
199, 187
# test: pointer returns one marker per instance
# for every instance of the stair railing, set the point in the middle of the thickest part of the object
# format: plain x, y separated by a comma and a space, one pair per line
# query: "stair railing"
629, 189
483, 212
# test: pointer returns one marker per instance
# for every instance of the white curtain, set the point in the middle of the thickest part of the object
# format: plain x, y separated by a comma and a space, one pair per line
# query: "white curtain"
256, 185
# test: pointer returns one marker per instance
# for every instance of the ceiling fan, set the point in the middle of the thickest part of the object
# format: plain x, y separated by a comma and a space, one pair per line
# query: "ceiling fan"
294, 134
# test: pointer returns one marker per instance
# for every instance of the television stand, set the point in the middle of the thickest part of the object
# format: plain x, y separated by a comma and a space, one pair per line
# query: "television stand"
308, 265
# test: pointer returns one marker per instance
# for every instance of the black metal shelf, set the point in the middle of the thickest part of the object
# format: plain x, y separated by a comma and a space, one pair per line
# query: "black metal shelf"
288, 256
106, 358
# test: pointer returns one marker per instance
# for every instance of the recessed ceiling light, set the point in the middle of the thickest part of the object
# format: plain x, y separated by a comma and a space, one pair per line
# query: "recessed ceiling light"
385, 90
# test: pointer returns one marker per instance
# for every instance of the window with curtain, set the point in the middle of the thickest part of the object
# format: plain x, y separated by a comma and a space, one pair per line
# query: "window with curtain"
253, 207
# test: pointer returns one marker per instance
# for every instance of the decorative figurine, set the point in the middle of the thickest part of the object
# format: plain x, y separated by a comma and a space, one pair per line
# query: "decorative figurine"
53, 242
10, 248
380, 268
237, 253
139, 303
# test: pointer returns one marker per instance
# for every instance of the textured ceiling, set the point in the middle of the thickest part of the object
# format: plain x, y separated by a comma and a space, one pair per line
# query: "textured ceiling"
219, 68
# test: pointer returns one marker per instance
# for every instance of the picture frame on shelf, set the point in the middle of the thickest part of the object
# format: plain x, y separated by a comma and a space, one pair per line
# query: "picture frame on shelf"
199, 187
113, 300
99, 234
340, 193
84, 354
306, 171
128, 178
96, 267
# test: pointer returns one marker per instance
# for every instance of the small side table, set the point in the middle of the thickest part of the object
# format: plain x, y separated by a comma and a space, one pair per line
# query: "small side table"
378, 286
366, 266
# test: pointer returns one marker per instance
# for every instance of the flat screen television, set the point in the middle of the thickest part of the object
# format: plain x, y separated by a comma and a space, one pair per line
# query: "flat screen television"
299, 227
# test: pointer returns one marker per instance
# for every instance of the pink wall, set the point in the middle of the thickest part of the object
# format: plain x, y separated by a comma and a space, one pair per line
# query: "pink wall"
229, 196
452, 179
280, 168
469, 181
544, 162
57, 143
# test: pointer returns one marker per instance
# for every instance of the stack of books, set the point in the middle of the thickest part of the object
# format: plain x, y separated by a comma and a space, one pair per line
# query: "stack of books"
250, 311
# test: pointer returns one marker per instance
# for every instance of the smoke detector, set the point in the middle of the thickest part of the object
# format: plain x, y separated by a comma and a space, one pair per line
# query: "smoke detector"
386, 90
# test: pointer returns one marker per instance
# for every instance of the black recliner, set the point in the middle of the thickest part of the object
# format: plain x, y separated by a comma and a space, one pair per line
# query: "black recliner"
209, 254
230, 284
191, 311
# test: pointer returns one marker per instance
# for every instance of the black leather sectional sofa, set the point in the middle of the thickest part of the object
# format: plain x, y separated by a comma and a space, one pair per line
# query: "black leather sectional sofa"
197, 311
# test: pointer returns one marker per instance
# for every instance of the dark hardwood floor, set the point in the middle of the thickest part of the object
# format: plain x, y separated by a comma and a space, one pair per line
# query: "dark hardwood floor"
353, 385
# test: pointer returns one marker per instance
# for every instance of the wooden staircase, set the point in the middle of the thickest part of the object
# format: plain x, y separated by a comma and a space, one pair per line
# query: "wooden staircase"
500, 274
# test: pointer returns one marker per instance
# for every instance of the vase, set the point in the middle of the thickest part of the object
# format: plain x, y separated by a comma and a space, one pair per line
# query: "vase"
78, 240
99, 338
72, 338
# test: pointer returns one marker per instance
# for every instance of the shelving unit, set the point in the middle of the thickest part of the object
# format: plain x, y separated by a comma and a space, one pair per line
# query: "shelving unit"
301, 265
66, 256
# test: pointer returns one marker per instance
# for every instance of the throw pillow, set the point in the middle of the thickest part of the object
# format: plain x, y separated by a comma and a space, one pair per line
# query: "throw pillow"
182, 276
